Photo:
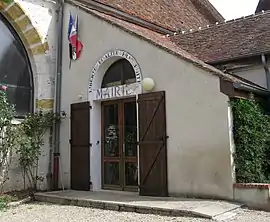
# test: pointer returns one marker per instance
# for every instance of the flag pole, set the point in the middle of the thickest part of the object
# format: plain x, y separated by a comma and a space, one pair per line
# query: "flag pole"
69, 63
70, 47
77, 27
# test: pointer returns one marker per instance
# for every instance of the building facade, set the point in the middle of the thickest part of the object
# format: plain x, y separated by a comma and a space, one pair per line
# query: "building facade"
144, 113
159, 142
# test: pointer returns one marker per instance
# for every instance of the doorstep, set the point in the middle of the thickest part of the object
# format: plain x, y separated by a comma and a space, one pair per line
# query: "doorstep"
132, 202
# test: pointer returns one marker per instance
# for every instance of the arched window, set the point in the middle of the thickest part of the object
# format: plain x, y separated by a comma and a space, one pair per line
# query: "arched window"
119, 73
15, 70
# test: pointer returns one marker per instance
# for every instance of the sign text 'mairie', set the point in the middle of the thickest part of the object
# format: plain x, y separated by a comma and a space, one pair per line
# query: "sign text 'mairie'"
117, 91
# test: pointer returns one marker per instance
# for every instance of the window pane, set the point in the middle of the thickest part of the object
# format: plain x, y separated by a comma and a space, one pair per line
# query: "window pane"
129, 74
111, 173
131, 174
111, 131
113, 75
21, 98
15, 70
130, 129
13, 67
119, 73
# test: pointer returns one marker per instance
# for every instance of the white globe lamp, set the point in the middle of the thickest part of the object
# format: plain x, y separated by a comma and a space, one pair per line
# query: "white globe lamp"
148, 84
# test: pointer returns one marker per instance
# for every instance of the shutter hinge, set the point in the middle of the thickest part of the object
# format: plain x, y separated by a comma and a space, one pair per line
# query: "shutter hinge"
90, 107
163, 138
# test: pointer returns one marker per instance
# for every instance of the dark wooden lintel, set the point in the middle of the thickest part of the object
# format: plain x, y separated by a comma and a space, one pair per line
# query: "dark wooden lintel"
227, 88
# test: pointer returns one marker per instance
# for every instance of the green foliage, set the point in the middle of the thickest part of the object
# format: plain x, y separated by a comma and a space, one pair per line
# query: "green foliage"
4, 200
8, 137
6, 1
7, 111
252, 139
26, 138
32, 131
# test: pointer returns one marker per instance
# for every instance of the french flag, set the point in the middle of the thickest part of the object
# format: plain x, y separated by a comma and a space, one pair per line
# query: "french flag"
75, 46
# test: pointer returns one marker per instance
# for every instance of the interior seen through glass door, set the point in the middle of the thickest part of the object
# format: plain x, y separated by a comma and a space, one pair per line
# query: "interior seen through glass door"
120, 145
111, 154
130, 144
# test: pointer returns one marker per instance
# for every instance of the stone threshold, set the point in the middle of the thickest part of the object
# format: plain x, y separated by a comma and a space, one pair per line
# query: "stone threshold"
211, 210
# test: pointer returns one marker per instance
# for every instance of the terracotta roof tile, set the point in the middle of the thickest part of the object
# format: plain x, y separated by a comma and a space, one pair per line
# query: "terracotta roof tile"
158, 40
228, 41
169, 14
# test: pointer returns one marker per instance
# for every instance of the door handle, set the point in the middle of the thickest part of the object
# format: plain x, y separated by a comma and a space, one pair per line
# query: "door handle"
124, 148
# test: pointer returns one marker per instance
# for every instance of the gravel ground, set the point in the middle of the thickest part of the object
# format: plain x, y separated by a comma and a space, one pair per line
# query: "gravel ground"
40, 212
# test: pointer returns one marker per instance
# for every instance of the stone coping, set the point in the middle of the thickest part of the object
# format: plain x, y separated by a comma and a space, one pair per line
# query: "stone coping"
252, 185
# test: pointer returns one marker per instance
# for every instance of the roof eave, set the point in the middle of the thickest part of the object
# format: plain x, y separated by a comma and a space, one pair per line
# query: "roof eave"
252, 89
222, 61
121, 15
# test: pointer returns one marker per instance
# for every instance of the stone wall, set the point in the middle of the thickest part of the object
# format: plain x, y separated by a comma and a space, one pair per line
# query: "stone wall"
254, 195
35, 23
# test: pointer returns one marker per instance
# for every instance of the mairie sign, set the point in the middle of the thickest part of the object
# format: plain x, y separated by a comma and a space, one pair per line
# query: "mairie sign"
117, 91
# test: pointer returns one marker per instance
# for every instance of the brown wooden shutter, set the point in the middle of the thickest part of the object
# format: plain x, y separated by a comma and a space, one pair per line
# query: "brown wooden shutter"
152, 144
80, 146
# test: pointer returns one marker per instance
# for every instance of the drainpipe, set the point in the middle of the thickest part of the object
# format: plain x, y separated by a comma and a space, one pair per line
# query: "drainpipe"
267, 75
58, 86
266, 69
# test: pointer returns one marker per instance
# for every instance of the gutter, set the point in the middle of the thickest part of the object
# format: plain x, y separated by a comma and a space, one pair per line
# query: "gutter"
253, 89
58, 89
242, 57
90, 4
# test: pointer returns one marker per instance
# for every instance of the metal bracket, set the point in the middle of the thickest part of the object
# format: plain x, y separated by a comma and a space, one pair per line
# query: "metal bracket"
56, 154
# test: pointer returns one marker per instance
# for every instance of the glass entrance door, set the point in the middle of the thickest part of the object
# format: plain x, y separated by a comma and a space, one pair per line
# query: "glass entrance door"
119, 147
111, 153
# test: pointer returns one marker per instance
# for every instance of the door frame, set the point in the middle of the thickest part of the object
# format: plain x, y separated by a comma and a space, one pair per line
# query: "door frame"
122, 159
